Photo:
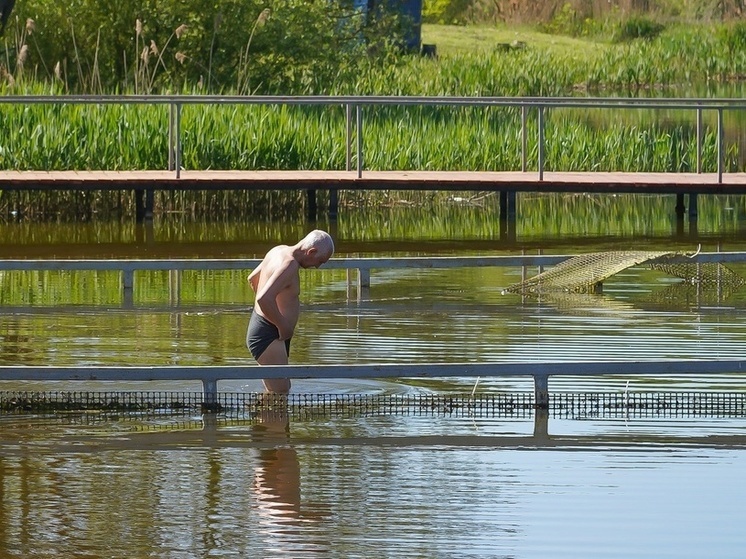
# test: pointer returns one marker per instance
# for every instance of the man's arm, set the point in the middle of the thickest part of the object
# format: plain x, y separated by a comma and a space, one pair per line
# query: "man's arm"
266, 297
254, 277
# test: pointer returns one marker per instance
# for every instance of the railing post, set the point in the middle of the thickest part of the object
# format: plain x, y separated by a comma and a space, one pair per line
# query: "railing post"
210, 395
541, 390
363, 277
359, 131
541, 423
363, 282
174, 287
541, 143
699, 139
720, 145
348, 136
128, 287
128, 279
524, 138
171, 137
177, 154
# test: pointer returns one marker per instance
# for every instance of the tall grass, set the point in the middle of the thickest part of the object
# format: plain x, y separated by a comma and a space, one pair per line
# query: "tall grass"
67, 136
58, 137
61, 137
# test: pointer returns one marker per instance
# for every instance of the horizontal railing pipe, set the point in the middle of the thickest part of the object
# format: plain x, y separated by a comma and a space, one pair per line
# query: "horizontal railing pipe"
341, 263
376, 100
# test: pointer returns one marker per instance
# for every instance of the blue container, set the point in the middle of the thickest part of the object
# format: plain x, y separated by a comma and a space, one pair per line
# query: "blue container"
411, 12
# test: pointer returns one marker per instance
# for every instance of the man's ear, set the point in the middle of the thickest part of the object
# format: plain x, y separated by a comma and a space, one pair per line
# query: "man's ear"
312, 250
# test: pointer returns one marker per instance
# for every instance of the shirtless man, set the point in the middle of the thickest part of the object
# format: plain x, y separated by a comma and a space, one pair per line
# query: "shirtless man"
276, 283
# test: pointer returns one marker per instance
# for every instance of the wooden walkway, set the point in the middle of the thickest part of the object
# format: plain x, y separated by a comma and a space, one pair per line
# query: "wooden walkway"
507, 184
508, 181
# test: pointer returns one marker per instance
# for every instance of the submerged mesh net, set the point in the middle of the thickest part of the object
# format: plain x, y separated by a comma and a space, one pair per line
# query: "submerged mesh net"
78, 407
586, 273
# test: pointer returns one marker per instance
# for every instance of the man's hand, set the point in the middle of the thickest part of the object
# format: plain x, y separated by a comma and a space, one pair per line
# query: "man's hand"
284, 330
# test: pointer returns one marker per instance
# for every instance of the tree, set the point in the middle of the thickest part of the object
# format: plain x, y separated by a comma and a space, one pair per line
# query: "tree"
276, 46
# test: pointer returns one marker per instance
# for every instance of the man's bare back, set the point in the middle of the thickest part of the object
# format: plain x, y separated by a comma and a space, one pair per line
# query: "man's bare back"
277, 285
276, 282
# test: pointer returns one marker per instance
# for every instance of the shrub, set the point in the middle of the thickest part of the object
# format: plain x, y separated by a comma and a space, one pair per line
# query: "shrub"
445, 11
262, 46
734, 37
637, 27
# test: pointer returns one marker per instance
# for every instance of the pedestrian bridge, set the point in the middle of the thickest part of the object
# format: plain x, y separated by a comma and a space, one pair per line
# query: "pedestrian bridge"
707, 116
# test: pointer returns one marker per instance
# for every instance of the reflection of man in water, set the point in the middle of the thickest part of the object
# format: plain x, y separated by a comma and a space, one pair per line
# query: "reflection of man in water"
277, 478
277, 486
276, 283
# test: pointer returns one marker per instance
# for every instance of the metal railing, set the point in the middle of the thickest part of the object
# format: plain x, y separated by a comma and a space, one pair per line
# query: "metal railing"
354, 109
209, 376
363, 266
540, 371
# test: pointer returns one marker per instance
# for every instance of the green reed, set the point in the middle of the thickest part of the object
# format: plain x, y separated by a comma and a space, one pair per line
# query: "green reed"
429, 138
114, 137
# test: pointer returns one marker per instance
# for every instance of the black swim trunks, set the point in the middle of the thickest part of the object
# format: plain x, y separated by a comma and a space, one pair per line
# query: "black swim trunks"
260, 334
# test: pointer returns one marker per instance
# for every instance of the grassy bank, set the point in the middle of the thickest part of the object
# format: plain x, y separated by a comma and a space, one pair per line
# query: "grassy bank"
495, 61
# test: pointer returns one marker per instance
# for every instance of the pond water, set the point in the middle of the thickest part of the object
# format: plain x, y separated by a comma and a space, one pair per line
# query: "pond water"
432, 483
433, 486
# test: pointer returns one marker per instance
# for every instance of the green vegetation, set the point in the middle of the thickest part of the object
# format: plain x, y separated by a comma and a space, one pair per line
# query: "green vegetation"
247, 47
244, 46
298, 48
580, 15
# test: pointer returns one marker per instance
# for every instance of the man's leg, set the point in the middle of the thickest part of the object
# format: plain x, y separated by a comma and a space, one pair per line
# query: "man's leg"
275, 354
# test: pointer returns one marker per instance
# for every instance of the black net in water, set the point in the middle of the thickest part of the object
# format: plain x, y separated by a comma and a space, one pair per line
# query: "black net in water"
309, 406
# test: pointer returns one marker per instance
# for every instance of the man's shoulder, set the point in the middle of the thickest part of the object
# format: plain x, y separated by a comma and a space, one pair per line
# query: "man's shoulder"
281, 257
280, 253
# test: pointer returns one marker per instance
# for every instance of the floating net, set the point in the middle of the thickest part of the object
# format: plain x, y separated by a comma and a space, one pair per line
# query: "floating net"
707, 275
587, 272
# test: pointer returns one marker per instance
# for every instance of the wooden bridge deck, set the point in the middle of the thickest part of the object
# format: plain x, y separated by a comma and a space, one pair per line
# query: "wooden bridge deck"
508, 181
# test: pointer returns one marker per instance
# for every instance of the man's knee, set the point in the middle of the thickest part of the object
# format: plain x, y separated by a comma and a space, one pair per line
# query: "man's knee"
277, 385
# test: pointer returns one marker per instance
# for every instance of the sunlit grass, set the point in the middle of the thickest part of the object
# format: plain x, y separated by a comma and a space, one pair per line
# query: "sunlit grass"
453, 40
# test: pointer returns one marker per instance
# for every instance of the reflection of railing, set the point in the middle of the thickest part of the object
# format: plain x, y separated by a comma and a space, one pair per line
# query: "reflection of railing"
354, 107
183, 414
364, 266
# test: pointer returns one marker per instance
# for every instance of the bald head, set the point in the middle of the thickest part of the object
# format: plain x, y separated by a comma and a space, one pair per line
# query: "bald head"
320, 240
